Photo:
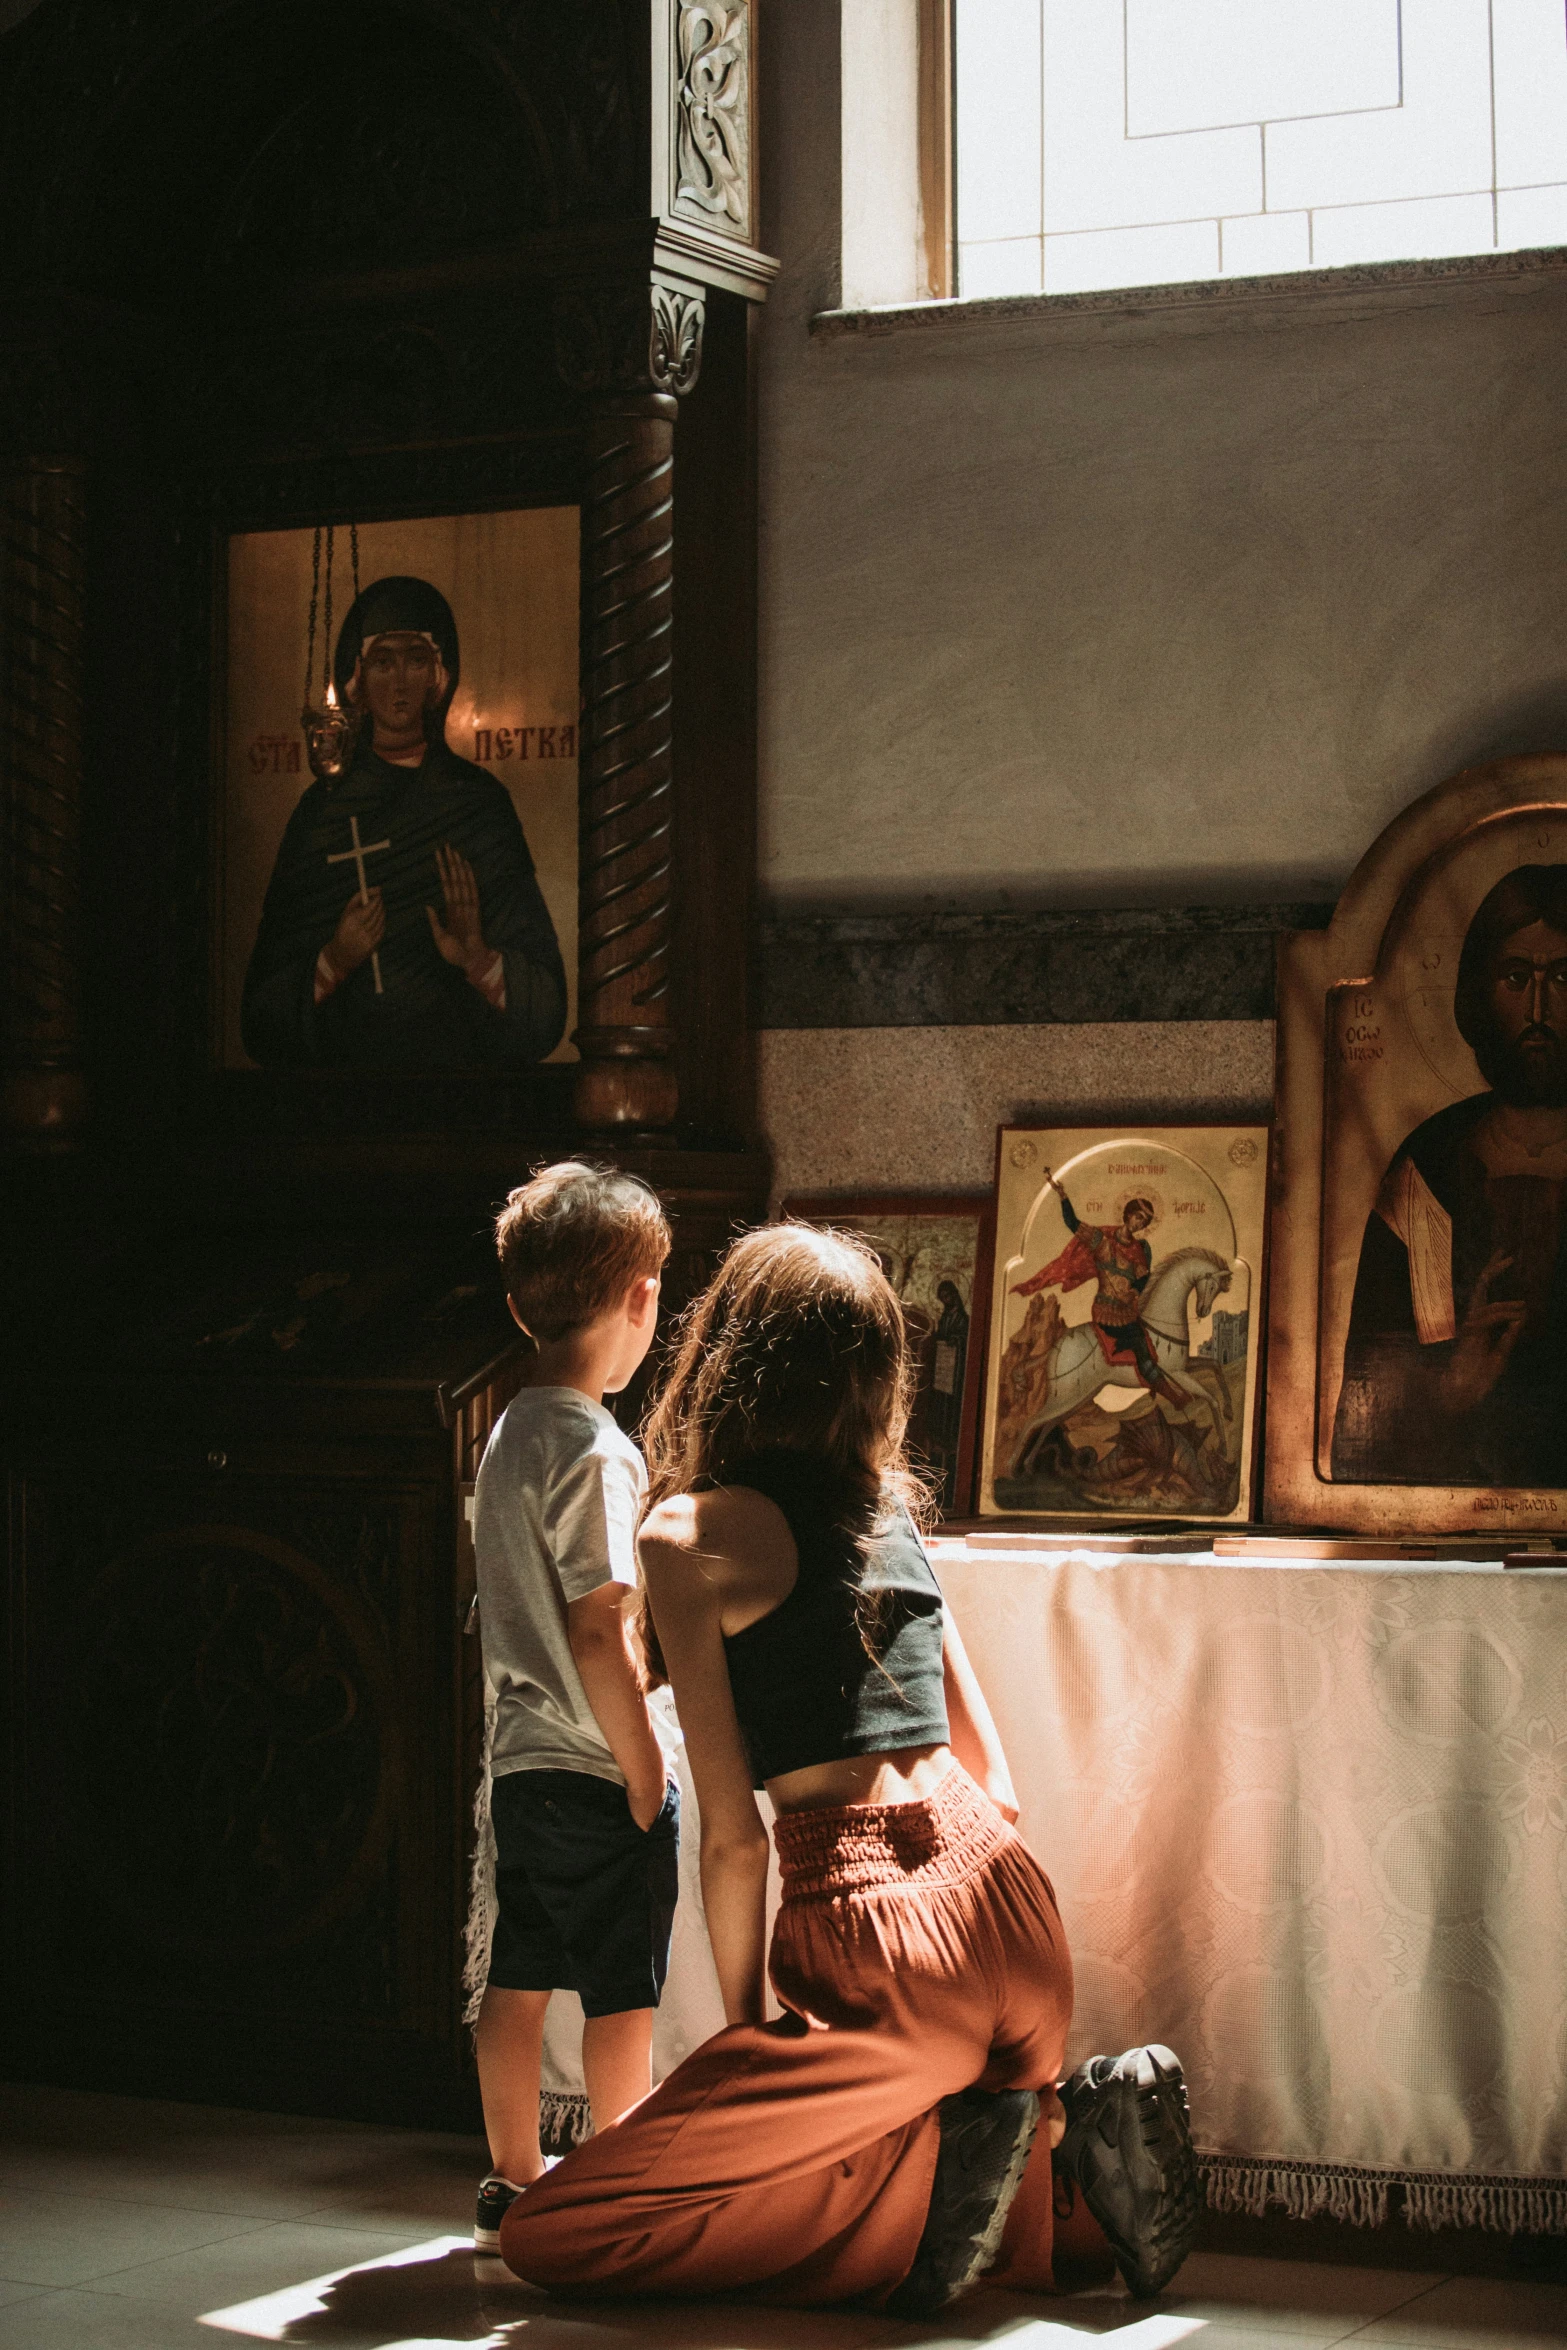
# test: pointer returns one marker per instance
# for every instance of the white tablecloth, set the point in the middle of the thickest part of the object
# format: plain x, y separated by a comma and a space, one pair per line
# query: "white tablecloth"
1309, 1826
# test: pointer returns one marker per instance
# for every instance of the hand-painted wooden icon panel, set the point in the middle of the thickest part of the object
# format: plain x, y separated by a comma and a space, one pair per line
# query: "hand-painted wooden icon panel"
1123, 1341
411, 906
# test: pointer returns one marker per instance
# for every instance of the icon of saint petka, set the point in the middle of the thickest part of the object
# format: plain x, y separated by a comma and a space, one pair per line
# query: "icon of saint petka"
1455, 1367
403, 926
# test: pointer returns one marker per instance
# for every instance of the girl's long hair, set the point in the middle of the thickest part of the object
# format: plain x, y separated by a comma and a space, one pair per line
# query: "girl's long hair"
797, 1345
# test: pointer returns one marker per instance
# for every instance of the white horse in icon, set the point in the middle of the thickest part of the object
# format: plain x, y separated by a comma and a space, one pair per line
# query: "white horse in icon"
1076, 1367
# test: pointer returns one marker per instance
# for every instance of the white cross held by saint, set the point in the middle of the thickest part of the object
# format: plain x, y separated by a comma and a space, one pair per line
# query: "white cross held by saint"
356, 857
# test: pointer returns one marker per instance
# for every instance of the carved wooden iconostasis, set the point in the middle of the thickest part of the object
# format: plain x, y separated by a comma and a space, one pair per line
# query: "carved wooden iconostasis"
473, 284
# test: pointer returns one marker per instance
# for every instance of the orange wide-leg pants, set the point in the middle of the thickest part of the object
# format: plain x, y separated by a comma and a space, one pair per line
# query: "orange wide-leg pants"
918, 1951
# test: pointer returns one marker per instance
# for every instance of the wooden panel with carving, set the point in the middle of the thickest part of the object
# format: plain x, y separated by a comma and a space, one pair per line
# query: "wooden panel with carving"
242, 1777
713, 134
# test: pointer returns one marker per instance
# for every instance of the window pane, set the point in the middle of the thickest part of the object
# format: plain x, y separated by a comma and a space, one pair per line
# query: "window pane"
1126, 142
1226, 61
1263, 244
1002, 265
1531, 92
1394, 232
1095, 176
1532, 216
997, 43
1436, 143
1131, 257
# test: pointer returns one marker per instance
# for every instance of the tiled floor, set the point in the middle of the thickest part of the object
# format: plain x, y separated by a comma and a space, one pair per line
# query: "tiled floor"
130, 2226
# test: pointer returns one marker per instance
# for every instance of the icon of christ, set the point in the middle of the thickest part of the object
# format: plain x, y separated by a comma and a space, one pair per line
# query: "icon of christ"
403, 926
1455, 1365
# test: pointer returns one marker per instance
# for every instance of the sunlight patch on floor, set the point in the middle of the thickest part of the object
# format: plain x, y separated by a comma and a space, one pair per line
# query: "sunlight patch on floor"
269, 2317
272, 2317
1146, 2333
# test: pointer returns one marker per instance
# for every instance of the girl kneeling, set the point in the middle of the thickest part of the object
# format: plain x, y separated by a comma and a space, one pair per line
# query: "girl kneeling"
877, 2142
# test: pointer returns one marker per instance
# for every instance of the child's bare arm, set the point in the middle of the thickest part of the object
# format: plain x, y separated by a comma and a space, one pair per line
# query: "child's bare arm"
683, 1582
605, 1655
971, 1728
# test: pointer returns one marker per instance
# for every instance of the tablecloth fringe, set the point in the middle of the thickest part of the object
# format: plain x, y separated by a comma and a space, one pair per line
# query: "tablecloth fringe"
1306, 2190
1430, 2199
479, 1926
564, 2120
1513, 2207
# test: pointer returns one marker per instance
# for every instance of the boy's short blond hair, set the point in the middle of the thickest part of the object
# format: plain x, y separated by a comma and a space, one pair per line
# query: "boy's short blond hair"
573, 1240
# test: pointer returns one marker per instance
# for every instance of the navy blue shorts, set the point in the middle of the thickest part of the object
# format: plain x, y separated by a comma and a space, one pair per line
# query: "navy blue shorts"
585, 1898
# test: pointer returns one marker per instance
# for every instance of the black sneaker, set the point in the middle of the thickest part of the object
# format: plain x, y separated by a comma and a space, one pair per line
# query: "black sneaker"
985, 2138
1128, 2145
496, 2198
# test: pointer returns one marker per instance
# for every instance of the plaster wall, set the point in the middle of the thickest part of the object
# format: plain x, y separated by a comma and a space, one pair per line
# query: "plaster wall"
1123, 606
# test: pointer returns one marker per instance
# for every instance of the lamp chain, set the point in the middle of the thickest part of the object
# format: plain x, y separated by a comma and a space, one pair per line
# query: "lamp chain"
326, 632
315, 589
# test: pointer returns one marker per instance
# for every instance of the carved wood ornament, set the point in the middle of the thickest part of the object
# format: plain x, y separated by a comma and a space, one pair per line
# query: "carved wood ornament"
713, 142
626, 813
634, 356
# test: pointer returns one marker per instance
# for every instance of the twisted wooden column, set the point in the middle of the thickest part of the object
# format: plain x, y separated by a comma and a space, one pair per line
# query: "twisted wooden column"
627, 1079
45, 564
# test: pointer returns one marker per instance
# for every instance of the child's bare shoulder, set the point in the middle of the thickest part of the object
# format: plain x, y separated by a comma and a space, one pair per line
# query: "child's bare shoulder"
726, 1533
695, 1523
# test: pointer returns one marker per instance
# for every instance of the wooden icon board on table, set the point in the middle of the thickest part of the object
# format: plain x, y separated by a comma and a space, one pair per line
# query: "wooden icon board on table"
1122, 1367
1417, 1379
937, 1255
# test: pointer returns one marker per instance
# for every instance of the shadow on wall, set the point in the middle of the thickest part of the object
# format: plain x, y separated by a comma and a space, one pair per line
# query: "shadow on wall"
1522, 727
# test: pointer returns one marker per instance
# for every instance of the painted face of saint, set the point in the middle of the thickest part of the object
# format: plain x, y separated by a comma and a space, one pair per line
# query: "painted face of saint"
400, 675
1527, 1003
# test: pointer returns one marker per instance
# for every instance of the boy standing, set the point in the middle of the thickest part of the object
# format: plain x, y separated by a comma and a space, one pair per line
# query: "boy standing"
585, 1815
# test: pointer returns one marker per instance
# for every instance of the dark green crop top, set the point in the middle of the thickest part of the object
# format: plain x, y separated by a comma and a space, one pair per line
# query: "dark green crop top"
804, 1689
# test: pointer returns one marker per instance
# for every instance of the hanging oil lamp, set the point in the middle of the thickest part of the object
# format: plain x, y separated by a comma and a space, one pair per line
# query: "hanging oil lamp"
331, 726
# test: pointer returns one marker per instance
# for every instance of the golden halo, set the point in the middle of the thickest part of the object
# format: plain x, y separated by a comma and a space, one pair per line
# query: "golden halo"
1147, 1191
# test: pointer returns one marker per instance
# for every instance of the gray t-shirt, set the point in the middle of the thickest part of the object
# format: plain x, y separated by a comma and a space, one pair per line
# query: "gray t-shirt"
555, 1516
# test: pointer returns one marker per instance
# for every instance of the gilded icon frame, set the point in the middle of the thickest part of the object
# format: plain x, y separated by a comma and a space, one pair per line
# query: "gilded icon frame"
1060, 1444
